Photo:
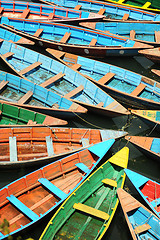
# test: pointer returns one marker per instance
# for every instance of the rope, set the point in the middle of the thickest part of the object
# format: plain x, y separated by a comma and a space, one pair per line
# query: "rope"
152, 130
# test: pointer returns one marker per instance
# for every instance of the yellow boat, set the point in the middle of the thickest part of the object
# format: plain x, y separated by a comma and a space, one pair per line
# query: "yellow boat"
88, 211
151, 5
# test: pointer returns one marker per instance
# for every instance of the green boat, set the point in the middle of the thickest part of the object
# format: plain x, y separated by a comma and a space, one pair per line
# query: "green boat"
88, 212
15, 116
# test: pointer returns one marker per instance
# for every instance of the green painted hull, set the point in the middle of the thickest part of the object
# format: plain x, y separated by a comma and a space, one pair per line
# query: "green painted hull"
69, 223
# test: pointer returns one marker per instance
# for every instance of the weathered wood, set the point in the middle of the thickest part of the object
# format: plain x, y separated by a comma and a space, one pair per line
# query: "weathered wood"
106, 78
52, 79
13, 149
100, 104
38, 32
77, 7
101, 11
49, 144
25, 13
29, 68
30, 122
56, 53
91, 211
76, 66
3, 84
65, 37
8, 54
93, 42
157, 36
82, 167
51, 16
74, 92
142, 228
25, 97
138, 89
132, 34
125, 16
1, 9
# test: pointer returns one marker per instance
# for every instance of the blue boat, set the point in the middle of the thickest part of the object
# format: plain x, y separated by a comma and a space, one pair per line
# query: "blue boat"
20, 92
29, 10
59, 78
73, 39
111, 11
150, 146
147, 188
29, 199
142, 223
127, 87
147, 33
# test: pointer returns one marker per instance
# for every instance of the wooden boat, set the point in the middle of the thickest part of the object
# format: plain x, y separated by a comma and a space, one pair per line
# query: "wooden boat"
59, 78
151, 117
156, 71
90, 208
42, 145
148, 33
73, 39
152, 54
29, 10
113, 12
141, 4
23, 93
147, 188
127, 87
142, 223
30, 198
148, 145
15, 116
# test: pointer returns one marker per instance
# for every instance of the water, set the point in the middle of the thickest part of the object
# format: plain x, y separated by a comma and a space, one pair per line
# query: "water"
137, 161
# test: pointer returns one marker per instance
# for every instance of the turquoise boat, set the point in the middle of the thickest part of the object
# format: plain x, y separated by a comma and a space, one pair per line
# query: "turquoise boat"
59, 78
20, 92
73, 39
147, 188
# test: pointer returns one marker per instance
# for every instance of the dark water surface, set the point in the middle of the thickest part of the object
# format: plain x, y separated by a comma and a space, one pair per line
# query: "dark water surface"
118, 229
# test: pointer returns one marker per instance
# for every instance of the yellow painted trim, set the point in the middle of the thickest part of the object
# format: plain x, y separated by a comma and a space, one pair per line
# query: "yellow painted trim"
110, 182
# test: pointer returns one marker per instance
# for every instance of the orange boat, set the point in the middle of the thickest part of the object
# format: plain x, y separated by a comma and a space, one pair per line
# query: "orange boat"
42, 145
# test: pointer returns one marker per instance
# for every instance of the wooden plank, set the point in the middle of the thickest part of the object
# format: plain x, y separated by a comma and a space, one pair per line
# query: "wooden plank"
125, 16
51, 16
3, 84
85, 142
77, 7
93, 42
101, 11
146, 5
13, 149
91, 211
157, 36
1, 9
1, 40
25, 97
82, 167
132, 34
30, 122
100, 104
52, 79
49, 143
138, 89
109, 182
38, 32
121, 1
65, 37
74, 92
52, 188
55, 53
76, 66
8, 54
142, 228
25, 13
30, 67
23, 208
106, 78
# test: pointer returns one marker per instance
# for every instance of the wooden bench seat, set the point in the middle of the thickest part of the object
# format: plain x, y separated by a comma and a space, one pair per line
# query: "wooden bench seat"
30, 122
25, 13
78, 7
91, 211
74, 92
106, 78
101, 11
38, 32
3, 84
138, 89
93, 42
23, 208
142, 228
82, 167
52, 80
52, 188
25, 97
100, 104
109, 182
1, 9
49, 144
85, 142
8, 54
76, 66
51, 16
55, 53
65, 37
29, 68
125, 16
121, 1
13, 149
132, 34
157, 36
146, 5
